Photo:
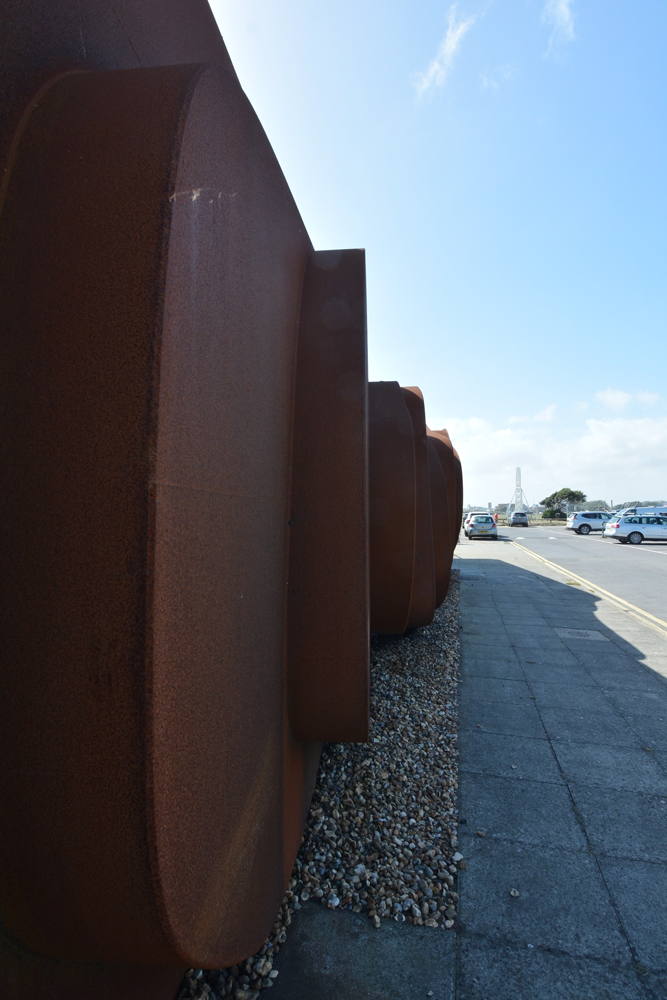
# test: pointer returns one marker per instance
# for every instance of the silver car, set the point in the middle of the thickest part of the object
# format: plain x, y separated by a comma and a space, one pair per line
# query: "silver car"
468, 518
636, 528
482, 526
585, 521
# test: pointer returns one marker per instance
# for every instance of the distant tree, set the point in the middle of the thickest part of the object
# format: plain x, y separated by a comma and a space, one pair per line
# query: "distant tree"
558, 501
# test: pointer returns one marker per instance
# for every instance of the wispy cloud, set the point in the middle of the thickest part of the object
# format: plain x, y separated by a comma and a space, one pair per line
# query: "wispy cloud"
558, 13
648, 398
492, 79
544, 416
438, 71
615, 399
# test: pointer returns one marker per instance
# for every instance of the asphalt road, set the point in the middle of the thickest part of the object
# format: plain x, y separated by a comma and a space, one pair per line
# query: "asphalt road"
637, 573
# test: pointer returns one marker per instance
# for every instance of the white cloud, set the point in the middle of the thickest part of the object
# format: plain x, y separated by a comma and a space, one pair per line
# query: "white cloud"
558, 13
492, 79
648, 398
544, 416
615, 399
616, 458
438, 71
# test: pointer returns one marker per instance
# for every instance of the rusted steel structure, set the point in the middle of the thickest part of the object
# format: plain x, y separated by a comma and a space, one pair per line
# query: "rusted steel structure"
185, 554
415, 510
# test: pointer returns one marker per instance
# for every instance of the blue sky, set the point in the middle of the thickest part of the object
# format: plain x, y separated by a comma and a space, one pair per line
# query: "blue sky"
503, 163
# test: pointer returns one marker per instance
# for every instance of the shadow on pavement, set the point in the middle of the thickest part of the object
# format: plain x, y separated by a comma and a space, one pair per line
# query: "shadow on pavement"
563, 792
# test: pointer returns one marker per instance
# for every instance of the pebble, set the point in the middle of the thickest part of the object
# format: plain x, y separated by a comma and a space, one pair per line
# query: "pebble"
514, 892
382, 832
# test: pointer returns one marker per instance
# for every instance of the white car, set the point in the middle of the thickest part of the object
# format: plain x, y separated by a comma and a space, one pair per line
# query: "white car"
636, 528
585, 521
468, 518
482, 526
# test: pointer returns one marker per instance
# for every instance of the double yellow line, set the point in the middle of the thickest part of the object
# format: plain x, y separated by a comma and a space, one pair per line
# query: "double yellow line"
643, 616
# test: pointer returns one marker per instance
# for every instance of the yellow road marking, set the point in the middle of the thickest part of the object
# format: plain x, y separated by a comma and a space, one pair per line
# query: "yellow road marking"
643, 616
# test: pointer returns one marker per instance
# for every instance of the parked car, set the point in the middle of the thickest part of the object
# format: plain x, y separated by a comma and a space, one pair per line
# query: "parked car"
637, 527
585, 521
468, 519
517, 519
482, 526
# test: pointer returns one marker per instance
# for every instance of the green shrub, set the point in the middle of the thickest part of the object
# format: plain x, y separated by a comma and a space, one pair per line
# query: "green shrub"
555, 515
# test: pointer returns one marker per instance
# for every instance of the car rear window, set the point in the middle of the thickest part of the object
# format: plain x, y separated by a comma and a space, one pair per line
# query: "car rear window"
483, 520
631, 520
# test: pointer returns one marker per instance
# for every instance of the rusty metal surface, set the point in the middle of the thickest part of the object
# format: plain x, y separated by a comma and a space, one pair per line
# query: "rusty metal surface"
415, 494
182, 378
44, 38
422, 601
145, 539
328, 636
23, 973
440, 523
392, 507
451, 465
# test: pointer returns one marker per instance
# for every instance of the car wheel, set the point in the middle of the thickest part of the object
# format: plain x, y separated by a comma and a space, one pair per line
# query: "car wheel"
635, 538
585, 529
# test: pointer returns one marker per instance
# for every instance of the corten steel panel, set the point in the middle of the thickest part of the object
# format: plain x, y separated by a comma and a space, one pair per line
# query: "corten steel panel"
327, 623
451, 465
151, 259
442, 549
422, 602
41, 39
392, 507
459, 490
24, 973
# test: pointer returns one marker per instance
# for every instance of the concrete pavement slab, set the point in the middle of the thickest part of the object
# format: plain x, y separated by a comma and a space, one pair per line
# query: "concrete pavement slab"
623, 824
572, 674
556, 658
563, 696
502, 669
639, 889
513, 719
651, 731
497, 971
638, 679
340, 956
611, 767
514, 757
625, 674
495, 690
521, 631
604, 728
486, 640
555, 888
526, 812
638, 702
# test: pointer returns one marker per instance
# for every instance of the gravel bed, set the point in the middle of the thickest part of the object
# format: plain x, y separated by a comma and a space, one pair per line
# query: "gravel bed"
381, 835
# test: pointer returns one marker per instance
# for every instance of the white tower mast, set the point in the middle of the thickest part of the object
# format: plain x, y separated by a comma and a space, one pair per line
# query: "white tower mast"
518, 501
